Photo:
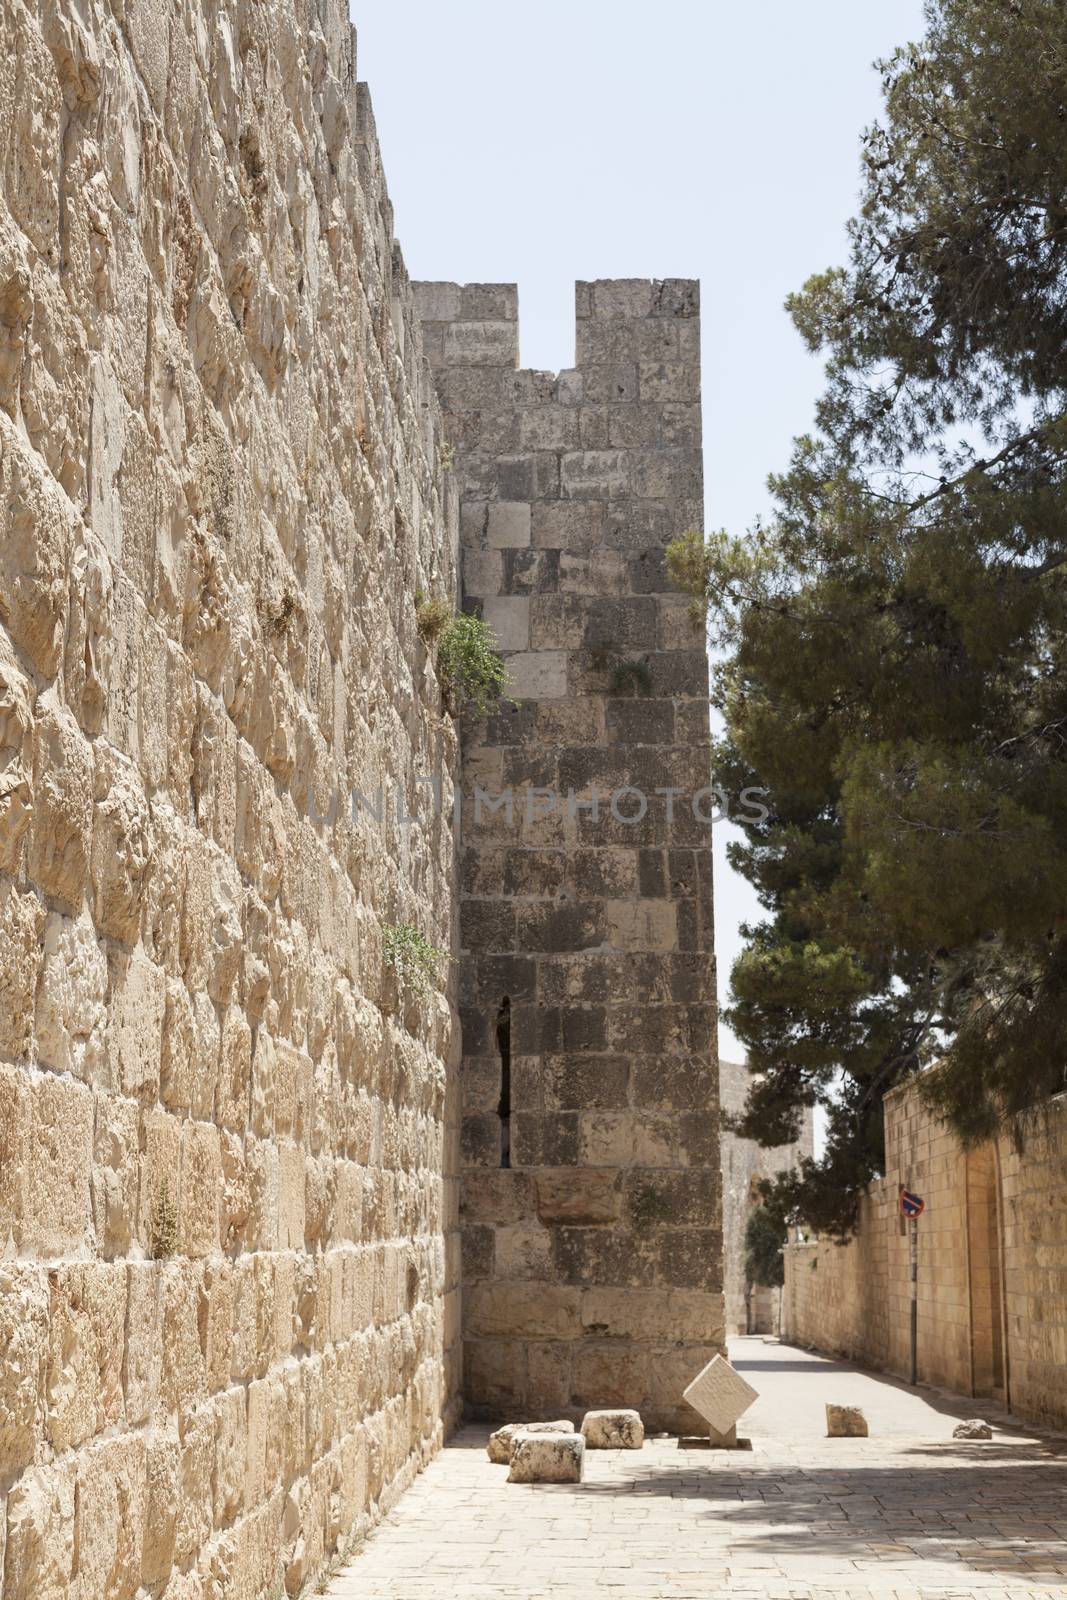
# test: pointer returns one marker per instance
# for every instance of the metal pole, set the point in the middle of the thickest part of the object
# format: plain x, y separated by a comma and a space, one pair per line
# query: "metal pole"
914, 1253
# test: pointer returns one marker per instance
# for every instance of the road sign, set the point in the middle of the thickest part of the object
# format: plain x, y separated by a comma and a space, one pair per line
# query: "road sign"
911, 1205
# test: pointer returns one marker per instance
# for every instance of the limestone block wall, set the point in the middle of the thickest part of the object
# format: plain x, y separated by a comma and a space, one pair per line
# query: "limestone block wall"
591, 1196
228, 1286
744, 1163
992, 1300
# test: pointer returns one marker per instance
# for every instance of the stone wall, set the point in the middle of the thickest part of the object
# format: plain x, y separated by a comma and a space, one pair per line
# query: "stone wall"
591, 1198
752, 1309
228, 1287
992, 1265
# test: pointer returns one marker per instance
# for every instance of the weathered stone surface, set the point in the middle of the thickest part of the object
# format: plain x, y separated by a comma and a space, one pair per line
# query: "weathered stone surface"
501, 1442
973, 1428
227, 1142
720, 1395
547, 1458
845, 1422
228, 1134
589, 1059
613, 1430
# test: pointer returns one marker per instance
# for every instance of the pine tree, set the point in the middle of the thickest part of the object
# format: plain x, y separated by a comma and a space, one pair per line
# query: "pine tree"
894, 671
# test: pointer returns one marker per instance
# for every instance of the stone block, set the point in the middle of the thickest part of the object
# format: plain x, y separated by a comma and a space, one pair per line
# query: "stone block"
547, 1458
668, 381
71, 1010
509, 618
537, 675
200, 1189
22, 921
481, 344
35, 539
143, 1351
121, 847
577, 1194
59, 1203
518, 1310
548, 1375
549, 428
109, 1519
61, 835
507, 525
720, 1395
502, 1441
609, 1372
23, 1365
498, 302
845, 1422
676, 297
437, 302
161, 1505
594, 475
87, 1315
39, 1558
613, 1430
621, 298
494, 1371
135, 1023
973, 1428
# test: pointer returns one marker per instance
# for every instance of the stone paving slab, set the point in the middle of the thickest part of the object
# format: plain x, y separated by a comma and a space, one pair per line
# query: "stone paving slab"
907, 1514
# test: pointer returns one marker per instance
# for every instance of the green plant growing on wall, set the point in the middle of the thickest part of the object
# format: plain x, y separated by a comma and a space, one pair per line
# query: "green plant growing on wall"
632, 677
432, 616
648, 1207
163, 1239
471, 668
446, 455
763, 1250
412, 957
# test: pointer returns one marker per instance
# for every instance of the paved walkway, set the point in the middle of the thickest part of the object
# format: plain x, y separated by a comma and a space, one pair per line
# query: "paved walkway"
908, 1513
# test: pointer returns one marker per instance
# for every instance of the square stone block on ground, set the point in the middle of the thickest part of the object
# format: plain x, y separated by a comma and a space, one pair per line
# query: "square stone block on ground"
613, 1430
720, 1395
502, 1441
546, 1458
845, 1422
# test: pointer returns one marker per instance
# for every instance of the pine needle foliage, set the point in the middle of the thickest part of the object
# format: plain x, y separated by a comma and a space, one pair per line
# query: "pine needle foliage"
895, 649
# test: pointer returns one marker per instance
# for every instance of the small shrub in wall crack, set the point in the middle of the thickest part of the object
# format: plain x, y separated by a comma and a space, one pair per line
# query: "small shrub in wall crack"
471, 668
634, 676
432, 617
413, 958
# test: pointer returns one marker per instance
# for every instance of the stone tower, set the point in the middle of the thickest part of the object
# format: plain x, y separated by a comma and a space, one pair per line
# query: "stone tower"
591, 1200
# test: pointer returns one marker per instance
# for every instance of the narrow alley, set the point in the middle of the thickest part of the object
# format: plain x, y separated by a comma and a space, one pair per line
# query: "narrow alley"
907, 1514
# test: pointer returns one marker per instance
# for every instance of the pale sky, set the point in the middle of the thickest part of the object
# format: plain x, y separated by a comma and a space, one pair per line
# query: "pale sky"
538, 144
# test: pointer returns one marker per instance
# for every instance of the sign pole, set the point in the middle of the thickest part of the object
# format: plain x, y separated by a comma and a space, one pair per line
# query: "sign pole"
914, 1252
911, 1208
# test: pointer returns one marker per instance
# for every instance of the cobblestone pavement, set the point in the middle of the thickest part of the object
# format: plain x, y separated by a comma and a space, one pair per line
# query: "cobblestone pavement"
908, 1513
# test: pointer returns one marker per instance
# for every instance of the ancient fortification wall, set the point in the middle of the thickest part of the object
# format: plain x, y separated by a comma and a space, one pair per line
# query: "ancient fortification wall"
744, 1163
591, 1203
229, 1295
992, 1280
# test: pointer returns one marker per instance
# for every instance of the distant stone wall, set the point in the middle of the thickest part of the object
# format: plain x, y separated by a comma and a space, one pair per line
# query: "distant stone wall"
744, 1163
591, 1193
992, 1265
228, 1290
